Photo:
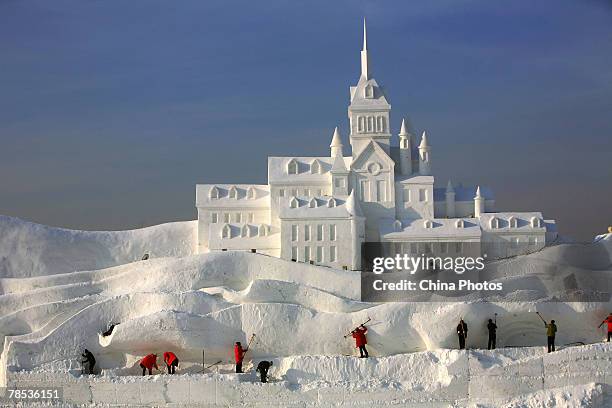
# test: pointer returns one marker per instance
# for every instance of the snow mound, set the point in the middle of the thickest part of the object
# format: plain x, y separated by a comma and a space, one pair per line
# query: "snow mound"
28, 249
60, 289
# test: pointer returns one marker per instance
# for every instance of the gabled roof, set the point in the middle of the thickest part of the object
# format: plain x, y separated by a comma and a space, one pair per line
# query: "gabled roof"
344, 209
372, 146
277, 170
359, 101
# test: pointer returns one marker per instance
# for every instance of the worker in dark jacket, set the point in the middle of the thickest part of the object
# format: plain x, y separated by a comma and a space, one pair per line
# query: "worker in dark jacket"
88, 361
551, 331
262, 369
492, 327
462, 333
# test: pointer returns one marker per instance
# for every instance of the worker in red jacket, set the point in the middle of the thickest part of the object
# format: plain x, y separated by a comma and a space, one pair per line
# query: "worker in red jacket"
148, 362
171, 361
609, 321
359, 334
239, 355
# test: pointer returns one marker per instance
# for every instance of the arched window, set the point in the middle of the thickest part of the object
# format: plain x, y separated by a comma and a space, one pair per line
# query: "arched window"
536, 222
233, 192
404, 143
294, 203
428, 224
397, 225
493, 223
315, 167
245, 231
459, 224
370, 123
262, 231
292, 167
380, 124
332, 202
226, 231
369, 91
214, 193
512, 222
251, 193
313, 203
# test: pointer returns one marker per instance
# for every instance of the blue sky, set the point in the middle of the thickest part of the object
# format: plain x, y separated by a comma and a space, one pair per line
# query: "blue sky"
112, 111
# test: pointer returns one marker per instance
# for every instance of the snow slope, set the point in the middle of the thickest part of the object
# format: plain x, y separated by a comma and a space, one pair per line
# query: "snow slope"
188, 303
28, 249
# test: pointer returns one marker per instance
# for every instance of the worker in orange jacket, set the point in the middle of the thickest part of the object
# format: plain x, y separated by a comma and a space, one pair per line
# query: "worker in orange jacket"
171, 361
148, 362
609, 321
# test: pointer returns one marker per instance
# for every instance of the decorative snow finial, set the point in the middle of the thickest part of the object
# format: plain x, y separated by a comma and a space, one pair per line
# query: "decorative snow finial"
424, 140
449, 187
403, 130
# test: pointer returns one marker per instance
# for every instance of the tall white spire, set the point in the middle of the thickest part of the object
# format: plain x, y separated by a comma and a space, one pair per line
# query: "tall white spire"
365, 72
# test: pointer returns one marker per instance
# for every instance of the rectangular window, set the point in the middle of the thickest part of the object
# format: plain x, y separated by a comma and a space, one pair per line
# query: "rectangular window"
214, 218
226, 218
320, 232
444, 247
515, 242
251, 217
294, 253
364, 190
281, 192
339, 182
307, 192
458, 247
413, 248
294, 232
332, 254
294, 192
319, 192
406, 194
532, 241
306, 253
237, 217
332, 232
381, 191
422, 194
306, 232
319, 254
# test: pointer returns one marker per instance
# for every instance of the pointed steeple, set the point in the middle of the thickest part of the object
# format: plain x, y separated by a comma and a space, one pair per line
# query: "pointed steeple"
478, 195
336, 144
449, 187
336, 141
403, 131
424, 141
365, 62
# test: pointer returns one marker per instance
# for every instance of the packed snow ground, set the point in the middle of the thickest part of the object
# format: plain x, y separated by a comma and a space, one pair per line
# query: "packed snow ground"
59, 289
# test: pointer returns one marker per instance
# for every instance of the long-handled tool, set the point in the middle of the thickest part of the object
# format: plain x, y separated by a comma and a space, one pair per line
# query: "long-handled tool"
540, 316
212, 365
351, 333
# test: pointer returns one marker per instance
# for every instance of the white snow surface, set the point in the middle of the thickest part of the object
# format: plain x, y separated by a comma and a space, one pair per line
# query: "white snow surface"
59, 289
